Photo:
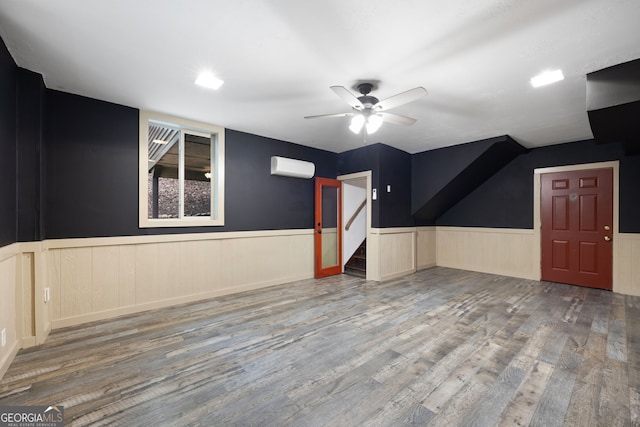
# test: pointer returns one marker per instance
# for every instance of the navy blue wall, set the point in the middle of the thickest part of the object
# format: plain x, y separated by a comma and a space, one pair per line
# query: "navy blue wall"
506, 199
395, 170
388, 166
91, 156
91, 178
92, 175
360, 160
444, 176
432, 170
630, 194
8, 72
256, 200
29, 161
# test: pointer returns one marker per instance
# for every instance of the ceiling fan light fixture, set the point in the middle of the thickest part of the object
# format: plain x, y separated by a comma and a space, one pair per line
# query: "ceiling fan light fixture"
357, 122
373, 123
368, 112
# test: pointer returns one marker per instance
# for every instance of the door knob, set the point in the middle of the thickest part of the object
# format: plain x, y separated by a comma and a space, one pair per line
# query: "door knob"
606, 227
607, 238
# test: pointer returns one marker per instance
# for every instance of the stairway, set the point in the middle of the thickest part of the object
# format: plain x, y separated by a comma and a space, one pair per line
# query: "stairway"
357, 264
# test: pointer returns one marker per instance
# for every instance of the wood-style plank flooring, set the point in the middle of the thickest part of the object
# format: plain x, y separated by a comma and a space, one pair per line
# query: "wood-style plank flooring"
441, 347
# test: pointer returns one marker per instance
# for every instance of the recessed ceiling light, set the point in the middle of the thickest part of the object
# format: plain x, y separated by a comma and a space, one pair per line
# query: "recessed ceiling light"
547, 77
208, 80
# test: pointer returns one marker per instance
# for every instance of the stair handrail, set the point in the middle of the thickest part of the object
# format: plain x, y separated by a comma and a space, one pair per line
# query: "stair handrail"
355, 214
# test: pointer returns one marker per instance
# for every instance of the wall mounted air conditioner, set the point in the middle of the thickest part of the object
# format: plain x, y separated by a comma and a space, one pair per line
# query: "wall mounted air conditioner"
290, 167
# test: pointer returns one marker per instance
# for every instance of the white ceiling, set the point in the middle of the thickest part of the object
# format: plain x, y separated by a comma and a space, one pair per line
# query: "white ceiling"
278, 59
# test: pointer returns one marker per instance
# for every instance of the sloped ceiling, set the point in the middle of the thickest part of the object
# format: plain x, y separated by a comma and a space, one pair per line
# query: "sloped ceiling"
278, 59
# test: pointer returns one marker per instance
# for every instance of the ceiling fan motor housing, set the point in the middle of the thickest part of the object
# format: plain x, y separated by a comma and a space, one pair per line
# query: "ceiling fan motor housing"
368, 101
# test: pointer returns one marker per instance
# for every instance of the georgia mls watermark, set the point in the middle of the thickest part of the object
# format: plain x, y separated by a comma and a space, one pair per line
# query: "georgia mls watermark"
31, 416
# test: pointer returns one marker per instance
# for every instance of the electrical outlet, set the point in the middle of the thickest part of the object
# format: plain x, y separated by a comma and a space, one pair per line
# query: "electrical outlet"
4, 337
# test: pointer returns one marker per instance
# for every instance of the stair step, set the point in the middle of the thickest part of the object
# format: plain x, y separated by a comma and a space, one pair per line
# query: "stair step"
357, 272
357, 264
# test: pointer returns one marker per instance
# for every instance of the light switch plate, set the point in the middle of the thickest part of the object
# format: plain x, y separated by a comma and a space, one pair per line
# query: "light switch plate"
374, 196
4, 337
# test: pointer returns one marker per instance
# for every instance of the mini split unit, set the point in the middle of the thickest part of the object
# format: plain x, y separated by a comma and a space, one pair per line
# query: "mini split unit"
291, 167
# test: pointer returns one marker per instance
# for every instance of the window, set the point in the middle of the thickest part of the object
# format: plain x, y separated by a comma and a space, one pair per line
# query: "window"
181, 172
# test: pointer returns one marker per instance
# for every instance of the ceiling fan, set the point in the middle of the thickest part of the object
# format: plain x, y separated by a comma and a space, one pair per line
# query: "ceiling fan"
369, 112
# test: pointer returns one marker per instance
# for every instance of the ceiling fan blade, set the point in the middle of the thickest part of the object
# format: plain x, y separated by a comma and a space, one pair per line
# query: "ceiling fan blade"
347, 96
320, 116
401, 98
397, 119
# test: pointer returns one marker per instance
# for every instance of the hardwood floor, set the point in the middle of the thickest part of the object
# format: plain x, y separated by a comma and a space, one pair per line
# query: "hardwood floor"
441, 347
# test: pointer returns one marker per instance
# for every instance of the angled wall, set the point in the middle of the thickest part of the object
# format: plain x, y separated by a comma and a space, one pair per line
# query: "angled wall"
440, 178
613, 105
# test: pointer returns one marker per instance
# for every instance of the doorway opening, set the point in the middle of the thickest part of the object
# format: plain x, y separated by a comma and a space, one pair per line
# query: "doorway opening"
356, 211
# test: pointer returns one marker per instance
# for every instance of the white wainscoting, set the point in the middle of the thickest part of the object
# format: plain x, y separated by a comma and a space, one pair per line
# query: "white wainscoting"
425, 247
98, 278
507, 252
626, 279
9, 257
394, 251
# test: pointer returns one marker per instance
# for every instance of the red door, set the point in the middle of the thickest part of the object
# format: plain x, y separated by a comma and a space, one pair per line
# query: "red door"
328, 227
577, 227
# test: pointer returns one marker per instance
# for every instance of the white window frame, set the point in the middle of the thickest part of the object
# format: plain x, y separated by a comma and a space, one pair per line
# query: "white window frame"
217, 166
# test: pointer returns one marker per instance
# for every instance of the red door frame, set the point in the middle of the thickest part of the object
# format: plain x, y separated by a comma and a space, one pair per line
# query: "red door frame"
569, 239
336, 269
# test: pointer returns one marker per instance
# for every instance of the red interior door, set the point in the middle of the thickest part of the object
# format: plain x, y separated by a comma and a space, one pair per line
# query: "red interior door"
577, 227
328, 227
